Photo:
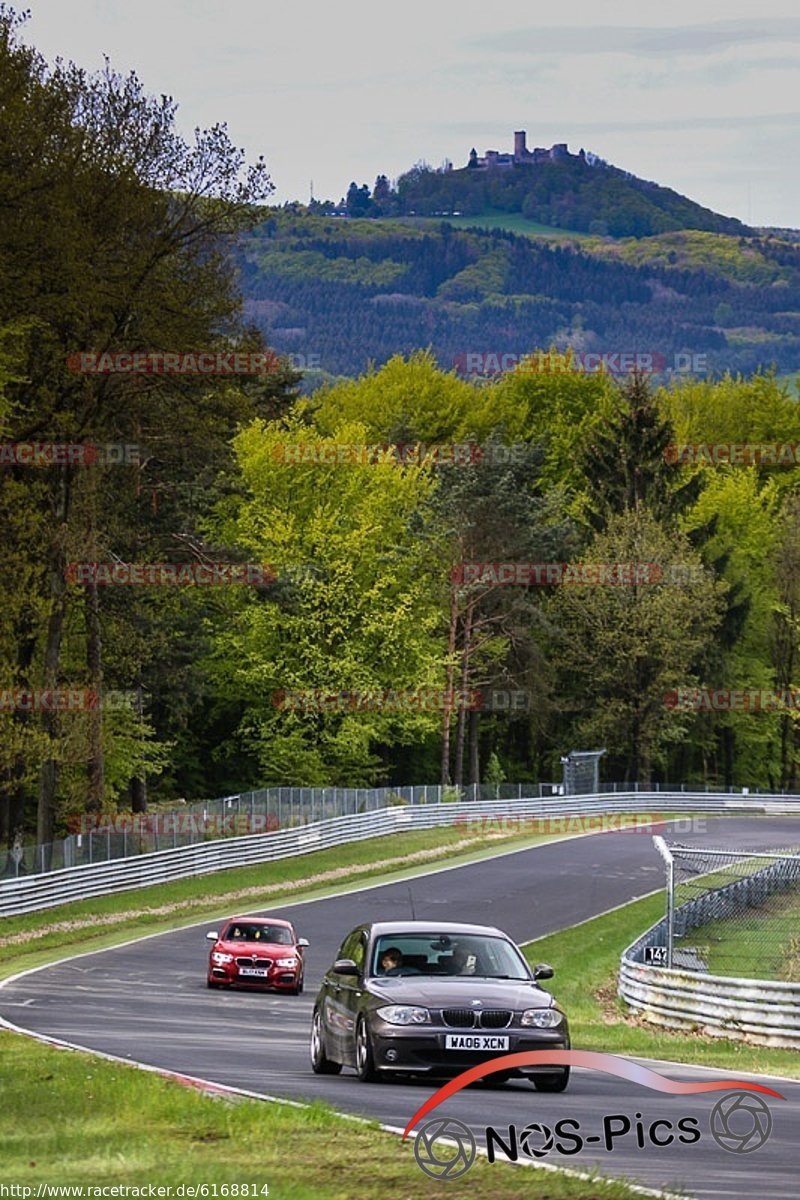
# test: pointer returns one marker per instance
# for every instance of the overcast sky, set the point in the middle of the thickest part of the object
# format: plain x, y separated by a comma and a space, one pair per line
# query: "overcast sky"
697, 95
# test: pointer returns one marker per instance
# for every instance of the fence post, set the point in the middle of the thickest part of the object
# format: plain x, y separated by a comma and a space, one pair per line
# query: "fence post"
670, 910
664, 851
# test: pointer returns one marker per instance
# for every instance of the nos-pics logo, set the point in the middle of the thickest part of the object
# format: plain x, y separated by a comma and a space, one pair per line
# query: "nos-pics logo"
445, 1148
444, 1161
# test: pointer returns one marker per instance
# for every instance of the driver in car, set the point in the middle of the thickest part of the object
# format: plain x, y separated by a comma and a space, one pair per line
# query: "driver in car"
390, 961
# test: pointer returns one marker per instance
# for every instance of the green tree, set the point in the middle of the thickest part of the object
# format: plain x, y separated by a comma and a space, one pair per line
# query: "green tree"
739, 514
546, 402
622, 650
626, 462
357, 608
111, 239
785, 640
494, 513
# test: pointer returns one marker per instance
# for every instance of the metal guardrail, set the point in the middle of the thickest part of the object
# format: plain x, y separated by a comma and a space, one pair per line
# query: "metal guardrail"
34, 892
765, 1012
106, 836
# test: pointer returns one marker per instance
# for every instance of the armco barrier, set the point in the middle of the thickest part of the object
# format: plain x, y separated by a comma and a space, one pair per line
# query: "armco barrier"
33, 892
101, 837
763, 1011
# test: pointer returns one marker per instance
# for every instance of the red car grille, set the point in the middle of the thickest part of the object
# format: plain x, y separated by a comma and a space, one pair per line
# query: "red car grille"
250, 961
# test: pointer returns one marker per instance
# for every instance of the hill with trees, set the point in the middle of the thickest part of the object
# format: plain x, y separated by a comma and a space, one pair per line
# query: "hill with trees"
571, 191
353, 291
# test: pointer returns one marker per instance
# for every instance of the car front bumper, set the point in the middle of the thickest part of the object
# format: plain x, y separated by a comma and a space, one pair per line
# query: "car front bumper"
278, 978
412, 1049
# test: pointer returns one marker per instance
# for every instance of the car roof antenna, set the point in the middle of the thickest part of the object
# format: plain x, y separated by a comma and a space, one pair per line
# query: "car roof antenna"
411, 902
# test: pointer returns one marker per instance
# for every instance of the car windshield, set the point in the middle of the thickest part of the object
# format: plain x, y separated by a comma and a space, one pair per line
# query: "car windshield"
241, 931
448, 954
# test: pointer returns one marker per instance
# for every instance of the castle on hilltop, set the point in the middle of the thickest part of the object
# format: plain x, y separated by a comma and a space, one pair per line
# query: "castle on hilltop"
521, 154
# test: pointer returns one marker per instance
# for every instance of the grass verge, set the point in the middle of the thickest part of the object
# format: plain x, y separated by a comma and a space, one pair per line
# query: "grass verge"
70, 1119
34, 938
759, 943
586, 960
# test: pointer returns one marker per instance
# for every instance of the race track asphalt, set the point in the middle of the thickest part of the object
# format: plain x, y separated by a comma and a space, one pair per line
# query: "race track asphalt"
148, 1002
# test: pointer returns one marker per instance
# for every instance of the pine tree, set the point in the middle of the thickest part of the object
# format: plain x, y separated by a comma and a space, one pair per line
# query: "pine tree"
627, 463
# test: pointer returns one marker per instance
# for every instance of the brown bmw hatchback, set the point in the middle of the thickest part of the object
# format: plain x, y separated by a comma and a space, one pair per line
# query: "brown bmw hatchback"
432, 998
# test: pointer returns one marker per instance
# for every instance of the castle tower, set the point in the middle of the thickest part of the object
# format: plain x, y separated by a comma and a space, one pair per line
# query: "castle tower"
520, 149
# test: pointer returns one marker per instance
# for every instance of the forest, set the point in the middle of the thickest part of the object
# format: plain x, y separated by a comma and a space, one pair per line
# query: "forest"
355, 292
245, 559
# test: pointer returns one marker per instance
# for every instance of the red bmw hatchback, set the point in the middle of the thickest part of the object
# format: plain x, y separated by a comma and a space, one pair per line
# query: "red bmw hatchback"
257, 952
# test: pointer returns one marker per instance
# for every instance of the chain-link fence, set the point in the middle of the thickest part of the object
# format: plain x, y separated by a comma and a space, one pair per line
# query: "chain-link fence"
731, 912
582, 772
265, 810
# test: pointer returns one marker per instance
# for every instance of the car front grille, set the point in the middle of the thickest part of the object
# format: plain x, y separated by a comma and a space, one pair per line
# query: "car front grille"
495, 1018
470, 1018
249, 961
459, 1018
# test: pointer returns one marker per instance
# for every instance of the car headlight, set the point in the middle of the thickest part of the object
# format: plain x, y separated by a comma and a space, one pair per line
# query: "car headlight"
219, 958
285, 962
404, 1014
541, 1018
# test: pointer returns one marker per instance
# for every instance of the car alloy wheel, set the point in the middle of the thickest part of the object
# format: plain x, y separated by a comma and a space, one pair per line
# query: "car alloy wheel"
365, 1062
320, 1063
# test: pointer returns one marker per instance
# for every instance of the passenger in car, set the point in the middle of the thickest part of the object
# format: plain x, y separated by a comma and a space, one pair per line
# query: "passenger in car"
464, 963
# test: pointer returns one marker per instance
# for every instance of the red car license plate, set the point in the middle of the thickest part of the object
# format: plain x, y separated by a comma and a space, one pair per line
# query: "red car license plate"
260, 971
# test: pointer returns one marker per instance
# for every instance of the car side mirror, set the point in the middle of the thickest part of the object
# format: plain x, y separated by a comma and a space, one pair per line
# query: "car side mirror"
212, 936
542, 971
302, 941
345, 966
